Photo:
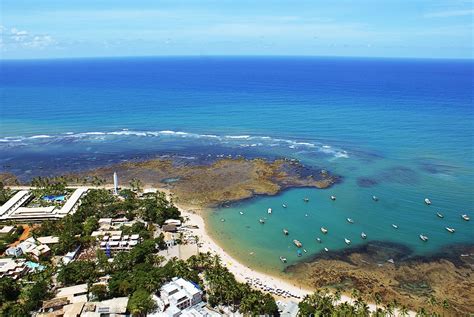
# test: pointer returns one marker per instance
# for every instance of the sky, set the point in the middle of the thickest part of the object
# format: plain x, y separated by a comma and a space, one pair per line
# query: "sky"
369, 28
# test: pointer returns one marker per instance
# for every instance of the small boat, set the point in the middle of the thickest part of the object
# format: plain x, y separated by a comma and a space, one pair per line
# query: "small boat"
306, 215
347, 241
284, 205
423, 238
391, 261
450, 229
326, 249
262, 221
222, 219
306, 199
324, 230
363, 235
304, 250
285, 232
349, 220
465, 217
439, 215
269, 210
283, 259
241, 213
319, 240
427, 201
298, 252
375, 198
297, 243
333, 197
394, 226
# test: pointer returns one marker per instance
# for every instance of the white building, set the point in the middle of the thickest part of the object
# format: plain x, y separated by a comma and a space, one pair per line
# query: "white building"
13, 268
13, 210
177, 296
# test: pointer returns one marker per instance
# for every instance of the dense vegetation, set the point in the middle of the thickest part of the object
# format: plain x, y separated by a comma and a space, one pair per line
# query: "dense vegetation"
5, 193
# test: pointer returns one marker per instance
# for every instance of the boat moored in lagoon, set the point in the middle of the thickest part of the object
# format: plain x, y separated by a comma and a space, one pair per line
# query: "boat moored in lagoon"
363, 235
427, 201
306, 199
333, 197
326, 249
347, 241
324, 230
465, 217
285, 232
375, 198
349, 220
241, 212
269, 210
423, 238
319, 240
394, 226
450, 229
284, 205
297, 243
262, 221
283, 259
440, 215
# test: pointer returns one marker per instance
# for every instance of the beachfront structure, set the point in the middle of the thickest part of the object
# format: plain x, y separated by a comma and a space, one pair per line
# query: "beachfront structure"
114, 241
13, 209
63, 307
115, 183
177, 296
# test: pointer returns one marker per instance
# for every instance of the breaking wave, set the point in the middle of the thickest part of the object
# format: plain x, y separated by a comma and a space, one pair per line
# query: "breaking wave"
227, 140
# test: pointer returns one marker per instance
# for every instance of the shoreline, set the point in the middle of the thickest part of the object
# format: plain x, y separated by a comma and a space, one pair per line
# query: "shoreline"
242, 272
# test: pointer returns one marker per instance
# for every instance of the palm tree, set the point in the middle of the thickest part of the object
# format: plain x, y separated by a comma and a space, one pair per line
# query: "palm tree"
403, 311
377, 299
421, 312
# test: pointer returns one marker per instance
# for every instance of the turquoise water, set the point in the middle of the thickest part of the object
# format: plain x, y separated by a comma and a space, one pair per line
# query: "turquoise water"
402, 130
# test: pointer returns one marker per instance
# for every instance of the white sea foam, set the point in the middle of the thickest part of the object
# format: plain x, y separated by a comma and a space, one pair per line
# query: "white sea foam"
223, 140
40, 136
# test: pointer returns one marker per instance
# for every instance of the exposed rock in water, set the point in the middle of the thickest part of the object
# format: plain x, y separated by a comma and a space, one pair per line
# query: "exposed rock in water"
224, 180
411, 280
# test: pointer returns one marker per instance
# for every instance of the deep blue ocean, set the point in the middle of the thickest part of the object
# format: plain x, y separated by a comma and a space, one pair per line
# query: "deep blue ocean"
397, 128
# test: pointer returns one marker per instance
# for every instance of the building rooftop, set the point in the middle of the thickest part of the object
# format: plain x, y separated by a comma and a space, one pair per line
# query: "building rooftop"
48, 240
19, 196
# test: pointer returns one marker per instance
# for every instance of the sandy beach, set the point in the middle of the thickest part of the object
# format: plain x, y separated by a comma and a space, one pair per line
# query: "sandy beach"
243, 273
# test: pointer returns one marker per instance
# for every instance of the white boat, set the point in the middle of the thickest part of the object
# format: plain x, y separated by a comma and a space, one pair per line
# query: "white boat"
297, 243
375, 198
363, 235
333, 197
222, 220
319, 240
423, 237
326, 249
465, 217
285, 232
262, 221
439, 215
241, 213
394, 226
391, 261
324, 230
284, 205
269, 210
304, 250
349, 220
427, 201
283, 259
450, 229
306, 199
347, 241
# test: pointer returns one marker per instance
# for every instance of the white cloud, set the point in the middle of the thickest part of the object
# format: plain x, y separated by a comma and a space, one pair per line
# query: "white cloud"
15, 38
451, 13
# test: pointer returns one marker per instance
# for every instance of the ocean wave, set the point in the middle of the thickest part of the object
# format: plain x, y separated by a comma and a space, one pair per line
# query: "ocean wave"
242, 141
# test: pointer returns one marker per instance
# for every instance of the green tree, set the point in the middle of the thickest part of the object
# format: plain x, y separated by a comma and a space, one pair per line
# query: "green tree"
9, 290
77, 272
141, 303
99, 291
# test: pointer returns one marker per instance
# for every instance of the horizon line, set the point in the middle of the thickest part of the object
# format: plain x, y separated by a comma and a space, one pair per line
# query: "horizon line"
237, 56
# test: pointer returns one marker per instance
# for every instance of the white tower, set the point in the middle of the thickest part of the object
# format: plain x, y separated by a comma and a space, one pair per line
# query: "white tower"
115, 183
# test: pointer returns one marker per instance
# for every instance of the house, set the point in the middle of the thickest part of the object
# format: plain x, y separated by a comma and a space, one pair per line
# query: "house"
169, 228
33, 248
48, 240
70, 256
169, 239
13, 268
6, 230
177, 296
74, 294
14, 251
173, 222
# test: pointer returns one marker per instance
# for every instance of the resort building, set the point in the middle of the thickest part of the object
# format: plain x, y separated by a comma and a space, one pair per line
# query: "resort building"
177, 296
13, 209
6, 230
32, 248
13, 268
70, 256
74, 294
